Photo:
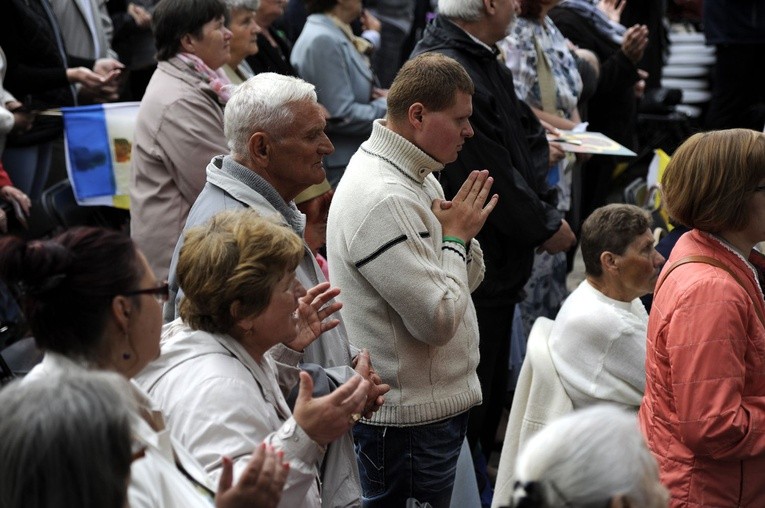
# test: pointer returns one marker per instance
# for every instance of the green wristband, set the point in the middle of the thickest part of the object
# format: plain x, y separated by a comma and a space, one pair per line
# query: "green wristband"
454, 239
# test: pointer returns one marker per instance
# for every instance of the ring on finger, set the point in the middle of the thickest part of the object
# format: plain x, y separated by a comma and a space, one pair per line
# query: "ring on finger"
354, 417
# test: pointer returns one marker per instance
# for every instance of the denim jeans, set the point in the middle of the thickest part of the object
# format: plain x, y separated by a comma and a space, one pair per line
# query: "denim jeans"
397, 463
28, 167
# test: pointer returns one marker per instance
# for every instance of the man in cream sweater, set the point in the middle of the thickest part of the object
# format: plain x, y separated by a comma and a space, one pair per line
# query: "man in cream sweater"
407, 261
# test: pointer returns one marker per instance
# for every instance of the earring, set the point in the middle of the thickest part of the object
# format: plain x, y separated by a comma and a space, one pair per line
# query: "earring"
126, 356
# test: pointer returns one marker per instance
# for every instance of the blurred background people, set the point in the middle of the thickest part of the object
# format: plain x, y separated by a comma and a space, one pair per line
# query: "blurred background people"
244, 39
705, 392
546, 77
612, 109
328, 55
274, 48
67, 441
737, 30
133, 41
42, 75
180, 123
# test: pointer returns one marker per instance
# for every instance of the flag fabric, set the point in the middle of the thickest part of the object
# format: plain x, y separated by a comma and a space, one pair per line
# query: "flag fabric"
98, 142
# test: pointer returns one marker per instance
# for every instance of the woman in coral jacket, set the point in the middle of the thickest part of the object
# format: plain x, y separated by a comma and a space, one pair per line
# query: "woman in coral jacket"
703, 413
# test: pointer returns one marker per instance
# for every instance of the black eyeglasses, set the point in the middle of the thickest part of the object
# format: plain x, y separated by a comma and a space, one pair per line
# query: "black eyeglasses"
161, 293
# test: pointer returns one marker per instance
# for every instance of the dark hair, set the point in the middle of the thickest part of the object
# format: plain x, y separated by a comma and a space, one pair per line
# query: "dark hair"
611, 228
172, 19
66, 441
531, 9
66, 285
319, 6
431, 79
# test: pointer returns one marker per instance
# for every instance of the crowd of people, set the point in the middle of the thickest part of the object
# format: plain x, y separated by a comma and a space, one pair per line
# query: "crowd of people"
340, 216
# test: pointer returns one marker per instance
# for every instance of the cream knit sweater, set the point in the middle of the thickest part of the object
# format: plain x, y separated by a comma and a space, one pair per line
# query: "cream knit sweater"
406, 292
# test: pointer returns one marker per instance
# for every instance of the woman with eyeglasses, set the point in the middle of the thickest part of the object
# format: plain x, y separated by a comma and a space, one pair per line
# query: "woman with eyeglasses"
92, 302
704, 404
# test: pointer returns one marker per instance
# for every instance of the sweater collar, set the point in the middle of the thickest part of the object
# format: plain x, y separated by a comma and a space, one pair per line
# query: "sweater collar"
404, 155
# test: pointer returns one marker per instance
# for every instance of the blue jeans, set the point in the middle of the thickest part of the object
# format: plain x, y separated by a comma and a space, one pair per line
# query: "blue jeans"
397, 463
28, 167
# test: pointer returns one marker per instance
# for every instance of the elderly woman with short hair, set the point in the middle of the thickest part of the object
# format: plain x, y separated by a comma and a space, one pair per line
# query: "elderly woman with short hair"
180, 123
595, 457
597, 343
244, 38
215, 379
704, 401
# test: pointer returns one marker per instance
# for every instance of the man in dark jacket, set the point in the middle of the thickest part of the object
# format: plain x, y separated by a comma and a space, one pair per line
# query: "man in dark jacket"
510, 142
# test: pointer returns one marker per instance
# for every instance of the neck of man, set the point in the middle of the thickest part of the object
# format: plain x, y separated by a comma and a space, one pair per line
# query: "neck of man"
479, 29
286, 194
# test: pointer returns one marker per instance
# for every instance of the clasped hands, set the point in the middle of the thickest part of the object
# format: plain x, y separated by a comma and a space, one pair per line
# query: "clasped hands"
464, 216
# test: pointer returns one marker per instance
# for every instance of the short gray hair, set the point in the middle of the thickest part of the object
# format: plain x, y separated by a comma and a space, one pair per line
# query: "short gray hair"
248, 5
464, 10
587, 458
66, 441
261, 104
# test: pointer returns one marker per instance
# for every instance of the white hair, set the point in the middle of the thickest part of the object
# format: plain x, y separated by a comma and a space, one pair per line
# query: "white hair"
464, 10
261, 104
66, 441
248, 5
585, 459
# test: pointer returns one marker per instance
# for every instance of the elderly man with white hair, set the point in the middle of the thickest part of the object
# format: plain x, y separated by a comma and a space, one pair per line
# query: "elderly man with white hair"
275, 130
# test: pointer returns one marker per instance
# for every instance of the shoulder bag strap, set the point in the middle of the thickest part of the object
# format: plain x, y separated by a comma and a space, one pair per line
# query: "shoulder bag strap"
714, 262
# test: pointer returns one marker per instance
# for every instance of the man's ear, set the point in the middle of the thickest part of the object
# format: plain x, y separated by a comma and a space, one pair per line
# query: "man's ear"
259, 148
415, 115
488, 5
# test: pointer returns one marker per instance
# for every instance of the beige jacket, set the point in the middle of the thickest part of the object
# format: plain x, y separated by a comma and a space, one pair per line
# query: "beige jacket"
178, 131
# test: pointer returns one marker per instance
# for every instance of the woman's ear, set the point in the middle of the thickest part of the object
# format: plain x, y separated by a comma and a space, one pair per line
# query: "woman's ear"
187, 43
608, 261
121, 309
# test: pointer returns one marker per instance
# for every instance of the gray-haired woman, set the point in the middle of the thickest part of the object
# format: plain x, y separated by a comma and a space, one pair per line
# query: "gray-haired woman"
590, 458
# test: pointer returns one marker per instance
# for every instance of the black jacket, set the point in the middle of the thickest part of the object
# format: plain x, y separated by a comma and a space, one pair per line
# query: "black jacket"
36, 72
272, 59
613, 108
510, 142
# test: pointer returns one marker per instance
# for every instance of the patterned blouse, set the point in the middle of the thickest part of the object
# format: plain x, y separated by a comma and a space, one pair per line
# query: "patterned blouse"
521, 58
